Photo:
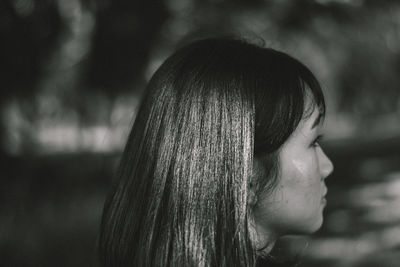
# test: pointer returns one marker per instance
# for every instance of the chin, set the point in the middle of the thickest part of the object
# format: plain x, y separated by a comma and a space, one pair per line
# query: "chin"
316, 226
309, 227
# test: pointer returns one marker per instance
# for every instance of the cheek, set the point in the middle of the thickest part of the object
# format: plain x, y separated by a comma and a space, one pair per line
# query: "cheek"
295, 204
301, 190
300, 173
301, 183
300, 166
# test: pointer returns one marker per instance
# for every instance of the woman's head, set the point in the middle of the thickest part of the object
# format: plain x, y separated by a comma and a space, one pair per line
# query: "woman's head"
206, 157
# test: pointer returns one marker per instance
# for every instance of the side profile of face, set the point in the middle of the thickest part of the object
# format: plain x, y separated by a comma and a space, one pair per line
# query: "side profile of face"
296, 204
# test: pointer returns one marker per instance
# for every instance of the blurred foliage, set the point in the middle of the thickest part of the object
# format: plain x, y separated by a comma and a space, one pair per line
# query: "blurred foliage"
71, 75
28, 33
60, 58
60, 55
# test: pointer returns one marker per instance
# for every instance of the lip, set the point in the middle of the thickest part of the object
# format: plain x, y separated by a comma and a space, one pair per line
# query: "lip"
323, 198
325, 192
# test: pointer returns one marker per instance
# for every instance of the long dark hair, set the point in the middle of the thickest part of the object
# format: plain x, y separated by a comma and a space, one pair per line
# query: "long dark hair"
182, 193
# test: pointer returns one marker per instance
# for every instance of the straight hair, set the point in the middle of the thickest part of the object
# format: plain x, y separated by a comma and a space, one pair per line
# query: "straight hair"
181, 197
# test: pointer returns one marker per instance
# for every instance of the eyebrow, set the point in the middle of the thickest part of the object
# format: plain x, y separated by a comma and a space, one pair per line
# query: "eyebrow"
317, 121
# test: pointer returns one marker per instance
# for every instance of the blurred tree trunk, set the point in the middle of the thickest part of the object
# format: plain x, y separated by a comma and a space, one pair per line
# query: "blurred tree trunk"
29, 33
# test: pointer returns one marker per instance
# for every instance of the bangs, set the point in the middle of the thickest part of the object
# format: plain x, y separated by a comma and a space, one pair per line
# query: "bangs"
288, 94
313, 95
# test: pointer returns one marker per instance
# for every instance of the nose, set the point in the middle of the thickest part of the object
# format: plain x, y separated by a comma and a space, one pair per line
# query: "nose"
325, 164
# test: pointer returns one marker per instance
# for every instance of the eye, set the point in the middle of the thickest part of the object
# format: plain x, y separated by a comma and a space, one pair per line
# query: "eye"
316, 141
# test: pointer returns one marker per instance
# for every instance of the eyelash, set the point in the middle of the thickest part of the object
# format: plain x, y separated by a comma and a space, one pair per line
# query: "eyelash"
316, 141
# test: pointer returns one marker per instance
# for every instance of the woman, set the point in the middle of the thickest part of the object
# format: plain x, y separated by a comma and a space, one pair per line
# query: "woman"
223, 158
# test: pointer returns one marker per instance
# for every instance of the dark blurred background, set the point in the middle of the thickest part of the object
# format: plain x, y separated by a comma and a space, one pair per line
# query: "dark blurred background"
71, 75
